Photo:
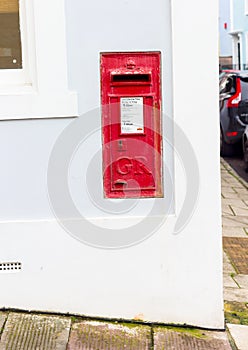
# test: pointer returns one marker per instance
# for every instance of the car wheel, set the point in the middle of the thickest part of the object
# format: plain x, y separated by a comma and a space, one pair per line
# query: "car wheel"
246, 155
226, 150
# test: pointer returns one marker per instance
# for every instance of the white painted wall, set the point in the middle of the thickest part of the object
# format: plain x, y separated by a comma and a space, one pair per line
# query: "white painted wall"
175, 278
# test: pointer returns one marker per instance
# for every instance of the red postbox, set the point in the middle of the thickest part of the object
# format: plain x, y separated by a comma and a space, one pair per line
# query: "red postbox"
131, 124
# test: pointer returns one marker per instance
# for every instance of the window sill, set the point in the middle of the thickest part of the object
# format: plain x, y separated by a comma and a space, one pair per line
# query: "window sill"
23, 102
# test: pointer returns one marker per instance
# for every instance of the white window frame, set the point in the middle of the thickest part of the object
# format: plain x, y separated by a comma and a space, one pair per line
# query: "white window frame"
246, 7
40, 88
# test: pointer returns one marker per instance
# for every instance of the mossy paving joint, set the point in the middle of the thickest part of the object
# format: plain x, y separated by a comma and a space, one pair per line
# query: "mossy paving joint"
236, 312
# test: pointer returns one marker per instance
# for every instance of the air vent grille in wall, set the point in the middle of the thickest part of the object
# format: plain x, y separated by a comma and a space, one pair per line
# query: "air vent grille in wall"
10, 266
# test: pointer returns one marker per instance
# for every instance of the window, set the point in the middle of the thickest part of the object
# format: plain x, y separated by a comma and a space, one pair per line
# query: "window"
33, 69
10, 39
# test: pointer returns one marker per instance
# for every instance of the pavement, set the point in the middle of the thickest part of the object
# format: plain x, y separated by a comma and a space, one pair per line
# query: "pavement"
234, 193
33, 331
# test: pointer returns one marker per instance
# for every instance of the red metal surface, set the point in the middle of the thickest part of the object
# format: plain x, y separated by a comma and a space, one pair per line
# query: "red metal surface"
131, 124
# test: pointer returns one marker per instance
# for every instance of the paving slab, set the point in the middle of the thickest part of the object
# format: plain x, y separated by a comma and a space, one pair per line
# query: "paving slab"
225, 165
243, 196
236, 294
227, 211
239, 211
225, 186
3, 317
230, 178
237, 202
228, 281
229, 194
93, 335
189, 339
234, 231
236, 187
228, 189
225, 177
239, 185
239, 334
35, 332
242, 281
227, 266
235, 221
242, 191
237, 250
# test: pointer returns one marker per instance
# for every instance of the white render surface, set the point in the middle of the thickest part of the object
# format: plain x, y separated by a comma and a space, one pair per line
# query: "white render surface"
61, 274
172, 278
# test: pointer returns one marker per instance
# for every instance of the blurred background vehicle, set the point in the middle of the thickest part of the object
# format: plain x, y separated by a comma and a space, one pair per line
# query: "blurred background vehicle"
233, 102
245, 148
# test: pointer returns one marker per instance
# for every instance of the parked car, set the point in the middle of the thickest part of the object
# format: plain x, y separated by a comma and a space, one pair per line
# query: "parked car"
233, 100
223, 72
245, 148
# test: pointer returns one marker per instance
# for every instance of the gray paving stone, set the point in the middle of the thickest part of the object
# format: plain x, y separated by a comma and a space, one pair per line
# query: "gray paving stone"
92, 335
227, 266
225, 164
242, 281
234, 231
3, 317
189, 339
225, 187
239, 333
239, 185
35, 332
228, 281
243, 196
230, 195
229, 180
237, 202
240, 211
236, 294
235, 221
227, 210
242, 190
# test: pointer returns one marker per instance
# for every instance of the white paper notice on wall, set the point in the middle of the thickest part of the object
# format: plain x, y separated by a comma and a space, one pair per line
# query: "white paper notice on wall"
132, 118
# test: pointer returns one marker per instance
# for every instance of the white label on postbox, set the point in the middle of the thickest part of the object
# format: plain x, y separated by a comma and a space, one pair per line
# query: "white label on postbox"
132, 118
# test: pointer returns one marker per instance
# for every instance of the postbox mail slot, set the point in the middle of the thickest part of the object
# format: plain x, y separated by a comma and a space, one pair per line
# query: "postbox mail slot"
131, 78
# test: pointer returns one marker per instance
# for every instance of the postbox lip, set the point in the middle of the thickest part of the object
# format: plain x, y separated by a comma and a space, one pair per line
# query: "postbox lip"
137, 71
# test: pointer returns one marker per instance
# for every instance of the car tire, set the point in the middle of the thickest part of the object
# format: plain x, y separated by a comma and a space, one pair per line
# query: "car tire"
245, 148
226, 150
